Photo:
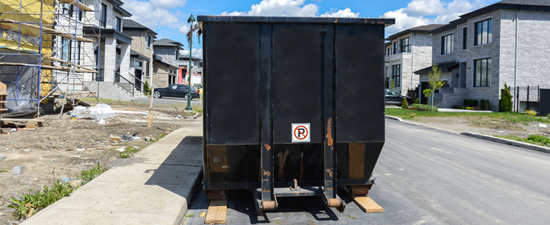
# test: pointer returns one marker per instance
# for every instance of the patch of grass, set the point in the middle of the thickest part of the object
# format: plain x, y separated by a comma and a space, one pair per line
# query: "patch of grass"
189, 215
3, 170
36, 200
532, 139
88, 175
495, 116
128, 152
352, 217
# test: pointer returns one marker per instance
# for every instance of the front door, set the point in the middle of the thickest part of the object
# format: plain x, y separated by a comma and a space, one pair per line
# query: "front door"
137, 81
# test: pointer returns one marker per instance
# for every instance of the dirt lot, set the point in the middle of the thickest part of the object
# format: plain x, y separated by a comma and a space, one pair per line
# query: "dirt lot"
61, 148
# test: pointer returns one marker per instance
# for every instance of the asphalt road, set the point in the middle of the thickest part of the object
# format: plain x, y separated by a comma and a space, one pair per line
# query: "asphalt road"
426, 176
168, 101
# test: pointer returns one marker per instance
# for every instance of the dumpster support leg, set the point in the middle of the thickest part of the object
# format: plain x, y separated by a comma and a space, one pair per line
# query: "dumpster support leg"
327, 56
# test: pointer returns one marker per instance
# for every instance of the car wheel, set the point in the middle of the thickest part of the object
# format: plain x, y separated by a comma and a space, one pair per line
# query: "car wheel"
189, 96
157, 94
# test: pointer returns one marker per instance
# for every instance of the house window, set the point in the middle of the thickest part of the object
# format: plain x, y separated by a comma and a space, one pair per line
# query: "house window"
405, 45
395, 49
483, 32
396, 75
147, 69
103, 20
447, 44
482, 72
118, 24
78, 52
65, 49
464, 38
176, 54
137, 64
148, 41
80, 12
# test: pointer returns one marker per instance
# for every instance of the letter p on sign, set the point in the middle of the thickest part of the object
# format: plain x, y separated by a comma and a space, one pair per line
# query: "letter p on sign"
300, 132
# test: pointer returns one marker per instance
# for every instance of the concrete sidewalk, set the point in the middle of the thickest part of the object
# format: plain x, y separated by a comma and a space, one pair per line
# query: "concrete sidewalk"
152, 189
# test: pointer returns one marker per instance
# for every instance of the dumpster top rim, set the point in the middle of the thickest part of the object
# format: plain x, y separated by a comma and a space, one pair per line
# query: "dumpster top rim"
280, 19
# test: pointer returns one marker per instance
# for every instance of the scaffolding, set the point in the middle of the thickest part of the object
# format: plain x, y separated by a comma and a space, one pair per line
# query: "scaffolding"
44, 54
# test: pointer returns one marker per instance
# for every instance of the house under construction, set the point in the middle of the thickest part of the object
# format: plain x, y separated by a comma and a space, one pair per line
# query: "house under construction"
44, 54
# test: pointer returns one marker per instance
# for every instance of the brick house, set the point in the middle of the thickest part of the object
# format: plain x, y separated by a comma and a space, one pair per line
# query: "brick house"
501, 43
408, 51
166, 62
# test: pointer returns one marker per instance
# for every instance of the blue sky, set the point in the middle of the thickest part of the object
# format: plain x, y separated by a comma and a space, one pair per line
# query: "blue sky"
169, 17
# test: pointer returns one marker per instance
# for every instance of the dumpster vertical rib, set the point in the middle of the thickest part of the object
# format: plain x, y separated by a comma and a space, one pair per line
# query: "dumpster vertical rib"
206, 118
265, 110
327, 51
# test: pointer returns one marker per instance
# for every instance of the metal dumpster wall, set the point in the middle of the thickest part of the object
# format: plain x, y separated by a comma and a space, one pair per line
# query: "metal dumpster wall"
300, 58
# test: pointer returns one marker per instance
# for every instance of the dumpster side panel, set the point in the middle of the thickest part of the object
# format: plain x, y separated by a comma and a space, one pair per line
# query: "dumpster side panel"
297, 65
359, 83
232, 81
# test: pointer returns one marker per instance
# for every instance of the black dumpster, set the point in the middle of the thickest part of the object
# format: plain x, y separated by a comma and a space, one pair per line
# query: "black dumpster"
293, 106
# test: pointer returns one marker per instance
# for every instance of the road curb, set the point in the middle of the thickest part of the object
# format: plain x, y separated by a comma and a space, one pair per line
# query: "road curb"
508, 142
419, 124
483, 136
195, 186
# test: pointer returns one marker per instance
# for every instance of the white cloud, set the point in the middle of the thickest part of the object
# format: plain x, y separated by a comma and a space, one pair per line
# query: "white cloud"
341, 13
279, 8
150, 15
168, 4
422, 12
290, 8
196, 52
184, 29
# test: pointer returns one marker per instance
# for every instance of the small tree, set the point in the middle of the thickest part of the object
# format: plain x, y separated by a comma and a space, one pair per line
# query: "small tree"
427, 93
505, 101
146, 89
392, 85
404, 103
434, 79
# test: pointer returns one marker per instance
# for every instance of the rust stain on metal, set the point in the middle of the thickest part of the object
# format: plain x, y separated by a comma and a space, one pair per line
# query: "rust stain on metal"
329, 132
267, 173
329, 171
267, 147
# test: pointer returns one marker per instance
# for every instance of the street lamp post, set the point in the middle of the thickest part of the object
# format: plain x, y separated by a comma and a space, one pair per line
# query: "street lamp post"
190, 20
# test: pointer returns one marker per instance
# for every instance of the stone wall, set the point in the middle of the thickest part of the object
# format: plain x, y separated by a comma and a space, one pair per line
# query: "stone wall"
533, 58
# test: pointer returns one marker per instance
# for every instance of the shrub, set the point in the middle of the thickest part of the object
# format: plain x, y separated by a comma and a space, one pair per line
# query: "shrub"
505, 101
422, 107
416, 101
404, 103
146, 88
484, 104
455, 107
466, 107
471, 102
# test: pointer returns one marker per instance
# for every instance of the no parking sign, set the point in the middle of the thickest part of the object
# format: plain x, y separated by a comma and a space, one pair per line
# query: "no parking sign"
300, 132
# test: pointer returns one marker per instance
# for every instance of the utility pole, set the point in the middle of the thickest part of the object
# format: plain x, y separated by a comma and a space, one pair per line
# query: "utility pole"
190, 20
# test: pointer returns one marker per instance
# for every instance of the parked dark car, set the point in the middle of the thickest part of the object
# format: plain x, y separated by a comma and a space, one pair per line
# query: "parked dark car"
394, 98
175, 90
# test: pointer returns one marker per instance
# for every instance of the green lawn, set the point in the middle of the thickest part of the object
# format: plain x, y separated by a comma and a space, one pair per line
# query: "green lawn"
497, 116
